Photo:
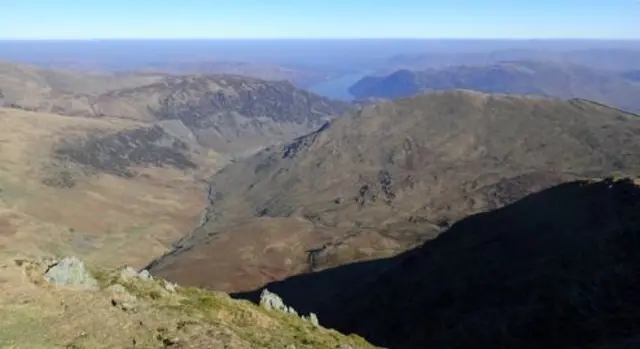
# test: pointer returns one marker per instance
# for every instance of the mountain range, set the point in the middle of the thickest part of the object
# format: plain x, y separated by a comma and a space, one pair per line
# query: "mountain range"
543, 78
227, 113
447, 217
605, 59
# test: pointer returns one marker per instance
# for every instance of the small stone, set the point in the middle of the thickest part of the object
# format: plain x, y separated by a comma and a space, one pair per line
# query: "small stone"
128, 273
121, 304
118, 289
170, 341
70, 272
272, 301
144, 275
170, 286
121, 298
313, 318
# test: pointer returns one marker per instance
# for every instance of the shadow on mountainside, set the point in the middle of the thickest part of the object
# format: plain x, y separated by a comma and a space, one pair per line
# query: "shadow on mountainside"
557, 269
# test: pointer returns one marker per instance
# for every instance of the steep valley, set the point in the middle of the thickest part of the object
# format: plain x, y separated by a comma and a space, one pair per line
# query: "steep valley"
133, 151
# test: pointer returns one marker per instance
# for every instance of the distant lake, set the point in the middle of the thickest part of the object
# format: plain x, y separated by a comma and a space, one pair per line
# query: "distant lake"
338, 88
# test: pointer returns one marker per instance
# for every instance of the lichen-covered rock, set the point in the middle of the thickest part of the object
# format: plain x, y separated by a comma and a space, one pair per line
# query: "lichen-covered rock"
272, 301
70, 272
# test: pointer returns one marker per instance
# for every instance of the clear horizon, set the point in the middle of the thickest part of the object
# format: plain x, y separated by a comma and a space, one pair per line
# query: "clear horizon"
329, 19
451, 39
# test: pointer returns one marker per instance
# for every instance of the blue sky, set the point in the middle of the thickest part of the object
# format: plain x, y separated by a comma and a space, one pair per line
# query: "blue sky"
95, 19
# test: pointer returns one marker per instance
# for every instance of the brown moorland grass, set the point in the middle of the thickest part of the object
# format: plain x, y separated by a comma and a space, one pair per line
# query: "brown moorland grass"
104, 217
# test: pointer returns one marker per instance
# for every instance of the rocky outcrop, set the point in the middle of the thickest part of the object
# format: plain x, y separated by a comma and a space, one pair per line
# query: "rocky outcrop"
117, 153
273, 302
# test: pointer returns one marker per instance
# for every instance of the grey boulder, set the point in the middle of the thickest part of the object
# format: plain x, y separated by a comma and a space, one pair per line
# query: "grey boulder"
70, 272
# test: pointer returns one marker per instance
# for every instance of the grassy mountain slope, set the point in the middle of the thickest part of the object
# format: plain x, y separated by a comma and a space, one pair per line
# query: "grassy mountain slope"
106, 189
142, 314
391, 176
550, 79
231, 114
21, 81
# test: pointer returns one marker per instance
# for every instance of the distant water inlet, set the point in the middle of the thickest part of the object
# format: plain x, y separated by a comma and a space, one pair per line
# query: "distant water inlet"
338, 88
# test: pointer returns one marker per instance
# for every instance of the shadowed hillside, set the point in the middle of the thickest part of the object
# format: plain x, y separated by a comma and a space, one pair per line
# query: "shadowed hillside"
549, 79
390, 177
556, 269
